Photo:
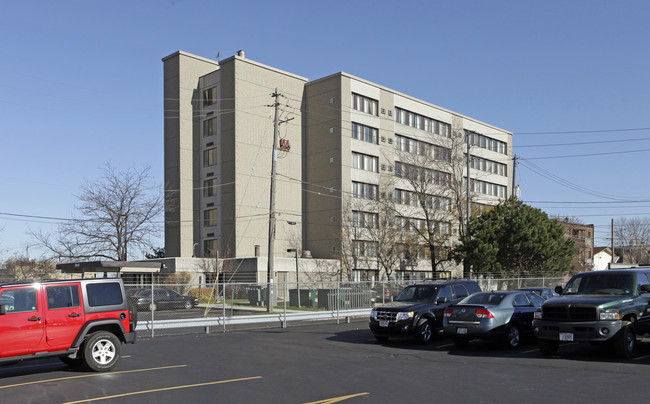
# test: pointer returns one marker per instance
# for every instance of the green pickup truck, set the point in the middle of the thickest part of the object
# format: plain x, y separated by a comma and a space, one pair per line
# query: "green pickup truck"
597, 306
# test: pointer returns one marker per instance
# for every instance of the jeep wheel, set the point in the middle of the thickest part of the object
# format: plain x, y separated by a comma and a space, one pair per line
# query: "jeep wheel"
424, 331
513, 336
101, 351
188, 304
625, 341
548, 347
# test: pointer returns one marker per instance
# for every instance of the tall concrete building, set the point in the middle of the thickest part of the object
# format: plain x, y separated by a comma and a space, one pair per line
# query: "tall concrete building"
347, 146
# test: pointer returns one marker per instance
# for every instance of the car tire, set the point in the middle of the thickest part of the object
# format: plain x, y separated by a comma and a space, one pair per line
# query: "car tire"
625, 342
101, 351
424, 331
188, 304
548, 347
513, 336
461, 342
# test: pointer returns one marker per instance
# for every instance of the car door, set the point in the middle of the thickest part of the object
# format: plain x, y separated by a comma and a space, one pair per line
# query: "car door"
175, 299
22, 325
64, 314
443, 300
524, 310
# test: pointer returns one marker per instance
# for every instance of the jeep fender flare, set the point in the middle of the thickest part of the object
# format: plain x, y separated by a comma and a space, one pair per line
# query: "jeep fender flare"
95, 325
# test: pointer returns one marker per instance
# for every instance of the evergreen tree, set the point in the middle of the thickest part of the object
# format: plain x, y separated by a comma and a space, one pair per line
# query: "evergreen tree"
514, 239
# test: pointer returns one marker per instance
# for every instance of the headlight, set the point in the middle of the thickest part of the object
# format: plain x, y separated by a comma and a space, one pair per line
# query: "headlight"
611, 314
373, 315
538, 314
404, 315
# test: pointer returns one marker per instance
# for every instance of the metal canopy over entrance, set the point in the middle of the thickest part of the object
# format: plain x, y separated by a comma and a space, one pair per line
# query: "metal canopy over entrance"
110, 267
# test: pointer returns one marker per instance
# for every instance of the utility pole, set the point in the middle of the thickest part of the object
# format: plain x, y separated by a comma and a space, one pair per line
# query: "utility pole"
466, 268
514, 173
610, 267
274, 162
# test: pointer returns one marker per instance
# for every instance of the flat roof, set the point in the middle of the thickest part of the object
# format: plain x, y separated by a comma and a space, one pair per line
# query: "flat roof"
110, 266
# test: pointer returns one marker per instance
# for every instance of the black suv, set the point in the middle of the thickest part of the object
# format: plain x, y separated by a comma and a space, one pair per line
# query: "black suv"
597, 306
418, 310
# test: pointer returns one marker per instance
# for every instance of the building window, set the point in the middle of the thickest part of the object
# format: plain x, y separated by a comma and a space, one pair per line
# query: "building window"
210, 247
365, 162
209, 96
487, 188
210, 217
364, 104
485, 142
489, 166
365, 219
365, 133
209, 157
422, 122
210, 127
363, 248
209, 187
363, 190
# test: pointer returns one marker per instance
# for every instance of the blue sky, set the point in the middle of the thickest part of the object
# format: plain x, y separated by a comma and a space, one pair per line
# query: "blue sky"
81, 85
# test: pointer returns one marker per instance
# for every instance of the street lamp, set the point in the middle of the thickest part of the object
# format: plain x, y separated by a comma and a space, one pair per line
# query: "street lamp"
297, 281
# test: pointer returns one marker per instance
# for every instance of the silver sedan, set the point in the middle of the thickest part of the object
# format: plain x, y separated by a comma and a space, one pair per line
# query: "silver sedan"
505, 316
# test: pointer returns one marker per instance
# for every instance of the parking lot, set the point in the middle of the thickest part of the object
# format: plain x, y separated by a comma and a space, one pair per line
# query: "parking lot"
324, 362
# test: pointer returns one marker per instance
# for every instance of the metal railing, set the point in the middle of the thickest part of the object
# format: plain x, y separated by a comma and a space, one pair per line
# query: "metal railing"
187, 308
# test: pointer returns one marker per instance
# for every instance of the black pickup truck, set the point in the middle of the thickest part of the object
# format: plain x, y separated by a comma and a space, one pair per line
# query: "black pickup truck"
597, 306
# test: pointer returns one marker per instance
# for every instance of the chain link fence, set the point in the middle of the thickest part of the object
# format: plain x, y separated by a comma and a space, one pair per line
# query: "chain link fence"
188, 308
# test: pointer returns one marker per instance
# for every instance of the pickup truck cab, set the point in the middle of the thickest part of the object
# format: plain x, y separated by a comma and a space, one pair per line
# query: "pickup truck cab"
83, 321
597, 306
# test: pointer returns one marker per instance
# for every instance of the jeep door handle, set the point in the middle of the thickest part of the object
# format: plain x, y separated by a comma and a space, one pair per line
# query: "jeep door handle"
74, 315
34, 319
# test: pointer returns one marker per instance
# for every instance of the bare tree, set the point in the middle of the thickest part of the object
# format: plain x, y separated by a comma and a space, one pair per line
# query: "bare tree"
429, 193
25, 269
117, 213
633, 240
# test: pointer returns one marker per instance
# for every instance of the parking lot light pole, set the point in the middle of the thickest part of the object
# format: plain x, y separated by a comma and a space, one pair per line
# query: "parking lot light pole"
297, 281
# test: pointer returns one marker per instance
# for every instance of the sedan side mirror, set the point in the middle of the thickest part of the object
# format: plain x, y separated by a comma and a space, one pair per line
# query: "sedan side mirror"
3, 310
558, 290
442, 300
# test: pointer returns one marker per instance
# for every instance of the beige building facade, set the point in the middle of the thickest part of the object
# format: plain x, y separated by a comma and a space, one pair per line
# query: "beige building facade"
350, 144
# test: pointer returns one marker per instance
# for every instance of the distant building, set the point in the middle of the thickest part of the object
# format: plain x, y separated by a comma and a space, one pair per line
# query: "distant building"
341, 137
602, 258
583, 238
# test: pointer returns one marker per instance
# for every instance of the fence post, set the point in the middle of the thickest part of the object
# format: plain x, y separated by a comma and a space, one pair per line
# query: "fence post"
284, 319
223, 318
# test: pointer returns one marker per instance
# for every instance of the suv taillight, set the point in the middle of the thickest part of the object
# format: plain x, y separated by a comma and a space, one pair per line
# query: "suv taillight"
483, 313
448, 312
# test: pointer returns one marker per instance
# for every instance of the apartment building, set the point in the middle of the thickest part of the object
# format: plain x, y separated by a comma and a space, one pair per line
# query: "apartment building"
348, 147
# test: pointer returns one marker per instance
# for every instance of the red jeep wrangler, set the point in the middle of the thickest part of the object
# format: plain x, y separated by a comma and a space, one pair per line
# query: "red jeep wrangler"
82, 321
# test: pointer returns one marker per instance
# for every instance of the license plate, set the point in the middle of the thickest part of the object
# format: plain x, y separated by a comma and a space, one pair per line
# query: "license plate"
566, 336
383, 323
461, 330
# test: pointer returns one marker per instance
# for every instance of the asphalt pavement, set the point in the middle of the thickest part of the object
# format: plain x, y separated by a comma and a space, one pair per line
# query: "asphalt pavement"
325, 362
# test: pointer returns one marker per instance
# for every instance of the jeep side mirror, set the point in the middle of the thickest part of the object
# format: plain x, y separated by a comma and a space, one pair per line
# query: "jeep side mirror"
644, 288
2, 309
442, 300
558, 290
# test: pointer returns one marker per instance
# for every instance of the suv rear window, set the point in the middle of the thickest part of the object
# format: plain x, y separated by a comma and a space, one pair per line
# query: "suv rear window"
104, 294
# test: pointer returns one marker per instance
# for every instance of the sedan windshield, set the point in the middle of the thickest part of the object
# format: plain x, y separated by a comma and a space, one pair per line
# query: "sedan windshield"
418, 293
601, 284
